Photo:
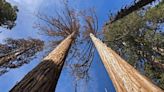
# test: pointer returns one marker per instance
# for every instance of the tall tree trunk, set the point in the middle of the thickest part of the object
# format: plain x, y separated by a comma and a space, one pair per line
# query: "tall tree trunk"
124, 77
44, 77
127, 10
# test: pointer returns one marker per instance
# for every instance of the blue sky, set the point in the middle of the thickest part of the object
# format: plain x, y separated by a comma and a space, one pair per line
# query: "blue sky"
100, 81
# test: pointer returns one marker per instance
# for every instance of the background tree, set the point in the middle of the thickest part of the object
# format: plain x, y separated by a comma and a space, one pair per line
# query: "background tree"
137, 4
8, 14
16, 52
139, 39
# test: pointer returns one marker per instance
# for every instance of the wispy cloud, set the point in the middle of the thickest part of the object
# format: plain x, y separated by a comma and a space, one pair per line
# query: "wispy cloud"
33, 5
30, 5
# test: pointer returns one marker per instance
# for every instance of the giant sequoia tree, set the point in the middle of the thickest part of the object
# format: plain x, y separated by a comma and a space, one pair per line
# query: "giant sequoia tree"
8, 14
124, 77
44, 77
15, 53
139, 39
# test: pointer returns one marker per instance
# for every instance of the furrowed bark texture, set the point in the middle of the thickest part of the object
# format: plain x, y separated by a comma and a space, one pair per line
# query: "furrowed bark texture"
44, 77
124, 77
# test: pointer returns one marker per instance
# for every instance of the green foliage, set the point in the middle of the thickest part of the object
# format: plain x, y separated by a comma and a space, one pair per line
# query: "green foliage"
139, 39
8, 14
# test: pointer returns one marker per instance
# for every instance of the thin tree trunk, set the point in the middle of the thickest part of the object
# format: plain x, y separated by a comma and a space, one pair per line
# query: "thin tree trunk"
127, 10
124, 77
12, 55
44, 77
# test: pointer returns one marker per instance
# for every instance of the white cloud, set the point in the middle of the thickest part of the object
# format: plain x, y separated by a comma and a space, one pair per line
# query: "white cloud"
34, 5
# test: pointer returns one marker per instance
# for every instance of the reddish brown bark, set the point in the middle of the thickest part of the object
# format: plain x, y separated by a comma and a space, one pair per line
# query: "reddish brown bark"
44, 77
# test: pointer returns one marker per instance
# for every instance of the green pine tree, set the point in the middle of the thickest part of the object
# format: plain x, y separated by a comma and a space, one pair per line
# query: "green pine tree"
8, 14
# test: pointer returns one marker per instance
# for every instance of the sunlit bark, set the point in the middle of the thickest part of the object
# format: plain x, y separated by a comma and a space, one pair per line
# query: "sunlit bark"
124, 77
44, 77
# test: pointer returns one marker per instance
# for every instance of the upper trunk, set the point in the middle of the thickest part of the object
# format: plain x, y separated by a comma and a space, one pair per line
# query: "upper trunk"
44, 77
127, 10
124, 77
